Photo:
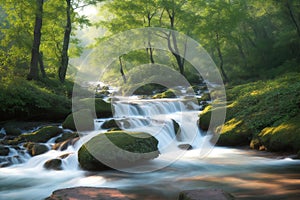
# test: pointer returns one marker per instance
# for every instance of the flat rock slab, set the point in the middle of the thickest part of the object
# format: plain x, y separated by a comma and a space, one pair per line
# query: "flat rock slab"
205, 194
87, 193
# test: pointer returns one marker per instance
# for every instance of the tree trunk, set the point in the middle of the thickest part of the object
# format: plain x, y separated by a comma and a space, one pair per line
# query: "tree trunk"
221, 59
42, 67
64, 54
174, 49
292, 15
35, 51
121, 70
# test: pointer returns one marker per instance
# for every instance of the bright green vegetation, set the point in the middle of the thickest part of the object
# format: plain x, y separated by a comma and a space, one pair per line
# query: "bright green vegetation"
43, 100
117, 148
166, 94
249, 40
263, 113
42, 135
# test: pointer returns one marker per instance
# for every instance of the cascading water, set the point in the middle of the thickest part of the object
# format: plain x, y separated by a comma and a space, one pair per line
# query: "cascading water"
27, 179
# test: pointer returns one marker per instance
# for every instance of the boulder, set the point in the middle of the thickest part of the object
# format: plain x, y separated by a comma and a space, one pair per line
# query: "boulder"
65, 144
167, 94
84, 121
117, 149
205, 117
66, 136
102, 108
185, 146
42, 135
177, 129
204, 194
90, 193
10, 130
54, 164
4, 151
38, 149
115, 124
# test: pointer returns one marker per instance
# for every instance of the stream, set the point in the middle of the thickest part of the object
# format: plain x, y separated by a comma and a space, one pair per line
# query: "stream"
244, 173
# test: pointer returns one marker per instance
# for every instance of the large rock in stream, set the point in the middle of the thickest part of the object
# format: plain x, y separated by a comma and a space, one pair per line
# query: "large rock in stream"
42, 135
84, 121
116, 150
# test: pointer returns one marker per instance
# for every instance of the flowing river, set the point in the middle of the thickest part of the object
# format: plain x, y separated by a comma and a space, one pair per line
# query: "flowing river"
244, 173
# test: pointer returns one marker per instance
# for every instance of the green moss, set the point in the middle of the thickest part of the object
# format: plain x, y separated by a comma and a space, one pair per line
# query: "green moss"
84, 121
102, 108
205, 117
118, 148
166, 94
260, 108
283, 137
42, 135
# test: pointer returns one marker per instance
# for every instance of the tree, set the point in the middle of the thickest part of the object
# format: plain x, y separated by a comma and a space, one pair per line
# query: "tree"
35, 51
72, 6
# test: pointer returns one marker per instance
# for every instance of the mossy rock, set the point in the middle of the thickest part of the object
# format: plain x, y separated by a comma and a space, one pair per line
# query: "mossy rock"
9, 130
234, 133
54, 164
204, 121
204, 97
4, 151
115, 124
66, 136
38, 149
42, 135
102, 108
117, 149
167, 94
284, 137
84, 121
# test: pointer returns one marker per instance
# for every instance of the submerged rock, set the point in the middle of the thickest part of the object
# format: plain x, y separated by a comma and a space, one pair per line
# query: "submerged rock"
117, 149
177, 129
90, 193
211, 194
65, 144
4, 151
185, 146
84, 121
54, 164
66, 136
36, 149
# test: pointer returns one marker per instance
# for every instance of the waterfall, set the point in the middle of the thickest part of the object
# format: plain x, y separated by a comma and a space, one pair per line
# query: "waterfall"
155, 117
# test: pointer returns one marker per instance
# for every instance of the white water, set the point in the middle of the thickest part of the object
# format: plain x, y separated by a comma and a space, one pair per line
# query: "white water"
232, 169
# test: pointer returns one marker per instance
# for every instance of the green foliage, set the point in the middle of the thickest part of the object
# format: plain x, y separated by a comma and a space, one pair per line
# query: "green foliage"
21, 99
256, 106
253, 38
283, 137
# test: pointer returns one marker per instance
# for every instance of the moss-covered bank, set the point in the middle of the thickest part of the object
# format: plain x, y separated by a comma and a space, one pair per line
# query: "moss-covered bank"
263, 114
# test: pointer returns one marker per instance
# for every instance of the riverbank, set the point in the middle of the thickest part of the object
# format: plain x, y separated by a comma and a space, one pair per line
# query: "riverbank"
264, 115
